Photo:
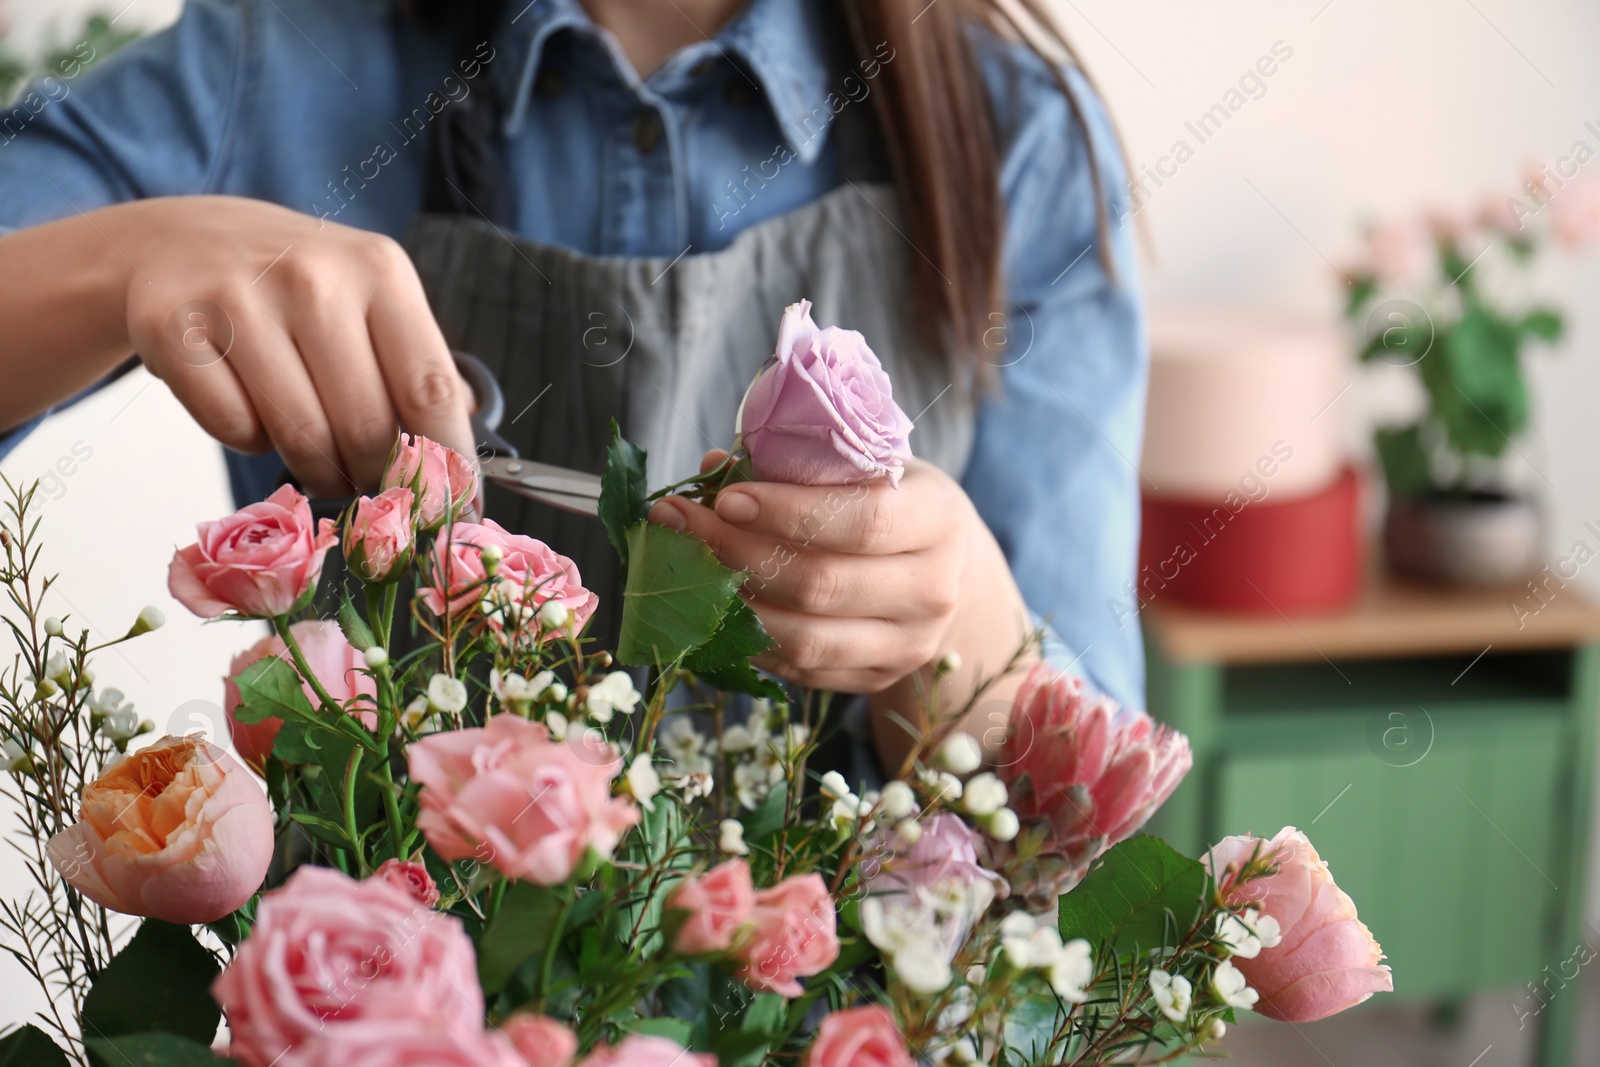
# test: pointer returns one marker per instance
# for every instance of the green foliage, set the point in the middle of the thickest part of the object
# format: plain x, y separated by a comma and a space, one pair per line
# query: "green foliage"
161, 981
151, 1050
623, 502
355, 628
1404, 459
27, 1046
676, 595
95, 39
1141, 895
270, 689
724, 661
520, 930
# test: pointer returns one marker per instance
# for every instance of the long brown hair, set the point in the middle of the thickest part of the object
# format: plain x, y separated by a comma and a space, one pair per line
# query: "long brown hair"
935, 119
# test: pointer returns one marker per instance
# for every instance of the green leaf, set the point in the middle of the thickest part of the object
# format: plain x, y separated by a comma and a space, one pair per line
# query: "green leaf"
1476, 385
1405, 460
1361, 290
675, 597
1128, 895
724, 661
519, 931
674, 1029
1544, 324
270, 689
354, 626
161, 980
327, 829
622, 491
151, 1050
27, 1046
769, 817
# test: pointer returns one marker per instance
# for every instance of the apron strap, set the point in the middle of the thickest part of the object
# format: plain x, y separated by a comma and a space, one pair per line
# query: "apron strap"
465, 172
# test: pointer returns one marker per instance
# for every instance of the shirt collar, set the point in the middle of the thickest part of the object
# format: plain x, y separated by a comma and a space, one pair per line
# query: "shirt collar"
782, 45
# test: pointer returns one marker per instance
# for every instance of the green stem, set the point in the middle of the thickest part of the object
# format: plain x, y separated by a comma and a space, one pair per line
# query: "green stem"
548, 963
340, 721
391, 810
352, 770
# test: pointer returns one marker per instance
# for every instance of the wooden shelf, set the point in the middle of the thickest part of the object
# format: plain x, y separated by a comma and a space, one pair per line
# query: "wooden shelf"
1390, 618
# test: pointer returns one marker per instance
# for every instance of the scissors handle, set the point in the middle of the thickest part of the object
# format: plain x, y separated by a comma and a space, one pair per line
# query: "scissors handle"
489, 408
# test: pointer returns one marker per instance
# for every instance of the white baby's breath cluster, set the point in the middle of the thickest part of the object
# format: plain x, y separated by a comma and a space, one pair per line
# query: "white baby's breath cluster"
1029, 944
758, 751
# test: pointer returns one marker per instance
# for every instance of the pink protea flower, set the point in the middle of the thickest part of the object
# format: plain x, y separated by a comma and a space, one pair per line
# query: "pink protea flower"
1086, 772
1324, 959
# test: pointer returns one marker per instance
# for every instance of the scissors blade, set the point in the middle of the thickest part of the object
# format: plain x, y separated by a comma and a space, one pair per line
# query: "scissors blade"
563, 488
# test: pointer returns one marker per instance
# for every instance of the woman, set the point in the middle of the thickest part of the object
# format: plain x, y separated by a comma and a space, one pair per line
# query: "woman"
610, 201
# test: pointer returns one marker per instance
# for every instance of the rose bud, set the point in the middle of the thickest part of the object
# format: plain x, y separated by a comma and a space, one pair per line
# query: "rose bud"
175, 831
443, 480
541, 1040
411, 878
824, 413
713, 908
378, 537
1325, 960
859, 1037
263, 560
331, 658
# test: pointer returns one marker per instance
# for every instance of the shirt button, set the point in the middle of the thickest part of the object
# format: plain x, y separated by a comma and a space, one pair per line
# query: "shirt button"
550, 82
646, 131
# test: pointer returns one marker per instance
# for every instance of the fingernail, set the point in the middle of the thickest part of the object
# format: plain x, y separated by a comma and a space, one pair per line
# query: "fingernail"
668, 514
738, 507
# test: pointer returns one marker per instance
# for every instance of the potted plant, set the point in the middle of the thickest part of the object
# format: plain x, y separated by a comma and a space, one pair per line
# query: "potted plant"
1458, 512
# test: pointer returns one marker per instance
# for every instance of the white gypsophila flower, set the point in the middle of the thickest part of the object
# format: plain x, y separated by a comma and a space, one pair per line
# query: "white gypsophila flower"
58, 668
1231, 987
376, 657
983, 794
52, 626
120, 725
149, 618
1247, 932
1015, 931
694, 785
960, 754
844, 812
109, 701
1172, 994
1003, 825
1216, 1030
446, 694
897, 800
546, 686
16, 757
737, 739
751, 783
977, 974
1265, 927
611, 695
730, 838
947, 787
1072, 970
1044, 945
643, 781
833, 785
557, 724
922, 968
553, 615
909, 831
416, 714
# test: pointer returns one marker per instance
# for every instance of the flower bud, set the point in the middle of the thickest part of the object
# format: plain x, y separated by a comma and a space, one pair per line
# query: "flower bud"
834, 785
150, 618
553, 615
897, 800
730, 838
45, 689
984, 794
1002, 825
16, 758
377, 656
52, 626
491, 555
86, 676
908, 831
446, 694
948, 663
643, 781
960, 754
1216, 1030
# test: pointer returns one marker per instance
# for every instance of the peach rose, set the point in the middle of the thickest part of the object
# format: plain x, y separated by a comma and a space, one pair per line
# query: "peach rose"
261, 560
1326, 959
411, 878
335, 662
175, 831
1576, 209
530, 573
715, 907
402, 1046
859, 1037
792, 936
541, 1040
378, 536
510, 796
340, 964
640, 1050
443, 479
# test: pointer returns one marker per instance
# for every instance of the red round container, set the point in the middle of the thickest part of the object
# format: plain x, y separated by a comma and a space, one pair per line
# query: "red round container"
1262, 556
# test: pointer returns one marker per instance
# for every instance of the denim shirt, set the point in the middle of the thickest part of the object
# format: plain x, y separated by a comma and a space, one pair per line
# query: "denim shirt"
324, 107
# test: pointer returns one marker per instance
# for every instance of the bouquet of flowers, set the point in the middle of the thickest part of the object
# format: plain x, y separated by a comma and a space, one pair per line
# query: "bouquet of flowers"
502, 848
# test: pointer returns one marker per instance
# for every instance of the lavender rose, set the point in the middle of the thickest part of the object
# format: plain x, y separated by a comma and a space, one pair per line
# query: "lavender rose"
824, 413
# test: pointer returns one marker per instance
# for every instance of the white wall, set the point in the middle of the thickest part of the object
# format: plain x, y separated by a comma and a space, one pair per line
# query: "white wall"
1383, 107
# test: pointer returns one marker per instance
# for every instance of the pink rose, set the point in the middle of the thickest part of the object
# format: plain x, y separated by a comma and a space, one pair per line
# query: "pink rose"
378, 537
1498, 214
443, 479
1326, 960
792, 936
715, 907
641, 1050
1093, 771
260, 561
541, 1040
508, 795
347, 963
335, 662
401, 1045
945, 856
411, 878
859, 1037
824, 413
175, 831
1399, 252
1576, 210
530, 573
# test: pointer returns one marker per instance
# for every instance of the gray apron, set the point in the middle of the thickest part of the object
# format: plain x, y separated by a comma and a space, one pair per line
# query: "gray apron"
666, 347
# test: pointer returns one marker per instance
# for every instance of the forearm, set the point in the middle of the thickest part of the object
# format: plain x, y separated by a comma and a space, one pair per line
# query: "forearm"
63, 289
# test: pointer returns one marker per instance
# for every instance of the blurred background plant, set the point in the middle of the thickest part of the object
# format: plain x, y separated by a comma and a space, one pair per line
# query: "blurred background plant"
97, 31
